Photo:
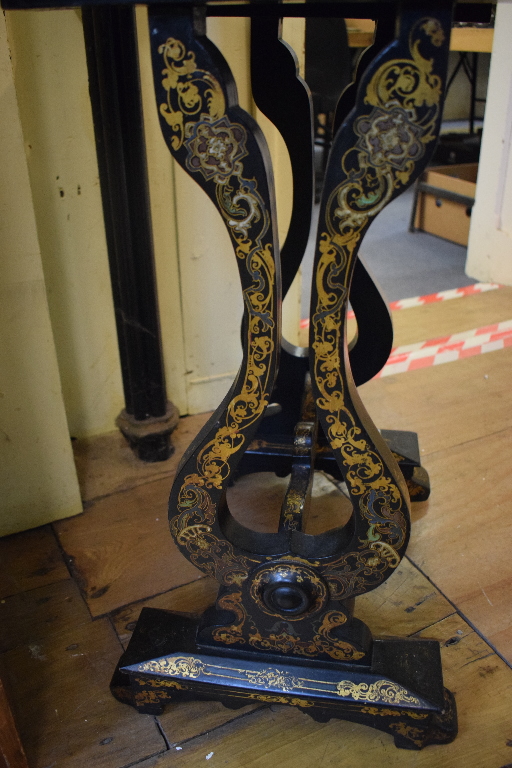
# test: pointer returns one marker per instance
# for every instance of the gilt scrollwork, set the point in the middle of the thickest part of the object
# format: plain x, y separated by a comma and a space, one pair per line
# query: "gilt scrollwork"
281, 637
384, 691
382, 146
398, 117
190, 90
178, 666
214, 147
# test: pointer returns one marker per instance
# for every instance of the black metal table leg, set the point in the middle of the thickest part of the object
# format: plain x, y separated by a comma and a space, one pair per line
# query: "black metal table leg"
112, 58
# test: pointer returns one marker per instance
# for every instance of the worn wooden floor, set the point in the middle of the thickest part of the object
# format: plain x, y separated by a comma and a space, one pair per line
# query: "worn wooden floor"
70, 593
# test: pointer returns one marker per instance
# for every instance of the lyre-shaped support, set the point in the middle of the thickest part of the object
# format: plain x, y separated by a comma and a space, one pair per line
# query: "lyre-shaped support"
286, 102
283, 625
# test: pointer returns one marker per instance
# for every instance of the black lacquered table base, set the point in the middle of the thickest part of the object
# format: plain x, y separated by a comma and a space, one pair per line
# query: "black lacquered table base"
283, 628
400, 692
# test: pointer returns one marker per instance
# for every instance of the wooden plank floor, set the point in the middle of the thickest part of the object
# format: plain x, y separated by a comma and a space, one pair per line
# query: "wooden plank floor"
462, 412
71, 593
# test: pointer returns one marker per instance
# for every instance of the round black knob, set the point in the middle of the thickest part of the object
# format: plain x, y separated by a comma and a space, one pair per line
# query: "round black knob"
291, 590
286, 598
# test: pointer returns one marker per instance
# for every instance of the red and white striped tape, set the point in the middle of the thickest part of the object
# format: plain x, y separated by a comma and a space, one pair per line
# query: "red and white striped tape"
455, 293
432, 298
446, 349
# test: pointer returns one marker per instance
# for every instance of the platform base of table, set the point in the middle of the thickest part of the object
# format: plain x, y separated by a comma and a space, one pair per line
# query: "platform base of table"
401, 692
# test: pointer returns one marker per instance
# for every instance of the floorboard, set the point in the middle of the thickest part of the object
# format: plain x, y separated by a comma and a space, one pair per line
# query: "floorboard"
66, 717
461, 535
106, 464
447, 404
453, 316
29, 560
406, 603
29, 618
183, 722
121, 548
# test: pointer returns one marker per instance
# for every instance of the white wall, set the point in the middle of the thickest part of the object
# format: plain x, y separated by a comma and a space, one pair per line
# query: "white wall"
52, 88
490, 240
37, 474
